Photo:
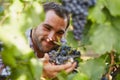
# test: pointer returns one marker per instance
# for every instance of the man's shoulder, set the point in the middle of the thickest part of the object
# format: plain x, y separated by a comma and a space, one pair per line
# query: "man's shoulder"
28, 35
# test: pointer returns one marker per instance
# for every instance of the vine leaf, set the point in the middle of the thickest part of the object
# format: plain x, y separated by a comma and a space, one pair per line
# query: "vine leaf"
96, 14
93, 68
113, 6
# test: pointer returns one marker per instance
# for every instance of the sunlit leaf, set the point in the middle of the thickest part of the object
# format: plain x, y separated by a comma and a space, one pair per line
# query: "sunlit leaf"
21, 72
93, 68
96, 14
80, 76
36, 68
103, 38
70, 38
113, 6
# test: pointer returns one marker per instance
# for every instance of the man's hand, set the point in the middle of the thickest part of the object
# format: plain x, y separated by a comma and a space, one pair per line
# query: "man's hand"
50, 70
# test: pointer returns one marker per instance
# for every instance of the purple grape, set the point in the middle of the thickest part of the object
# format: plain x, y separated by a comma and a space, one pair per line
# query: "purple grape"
64, 54
79, 11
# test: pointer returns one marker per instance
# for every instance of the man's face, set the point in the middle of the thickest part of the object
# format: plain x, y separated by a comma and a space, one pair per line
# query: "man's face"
49, 31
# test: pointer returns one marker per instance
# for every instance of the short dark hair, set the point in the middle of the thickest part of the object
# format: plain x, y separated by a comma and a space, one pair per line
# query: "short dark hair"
59, 10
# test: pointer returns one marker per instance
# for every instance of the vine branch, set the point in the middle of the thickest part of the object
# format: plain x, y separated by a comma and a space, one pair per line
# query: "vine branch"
111, 64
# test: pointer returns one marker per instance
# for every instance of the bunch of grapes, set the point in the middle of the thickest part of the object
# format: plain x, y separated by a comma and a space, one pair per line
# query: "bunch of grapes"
63, 55
79, 11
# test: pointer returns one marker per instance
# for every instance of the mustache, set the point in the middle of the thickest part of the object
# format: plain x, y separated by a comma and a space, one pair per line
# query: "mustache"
51, 41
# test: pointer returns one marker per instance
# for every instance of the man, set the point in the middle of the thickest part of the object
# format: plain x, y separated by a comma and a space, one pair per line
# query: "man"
44, 36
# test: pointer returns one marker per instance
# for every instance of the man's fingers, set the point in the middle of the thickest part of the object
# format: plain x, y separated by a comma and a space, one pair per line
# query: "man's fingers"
70, 69
61, 67
50, 74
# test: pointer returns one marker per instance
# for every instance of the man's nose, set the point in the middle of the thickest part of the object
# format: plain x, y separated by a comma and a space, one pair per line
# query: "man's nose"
51, 36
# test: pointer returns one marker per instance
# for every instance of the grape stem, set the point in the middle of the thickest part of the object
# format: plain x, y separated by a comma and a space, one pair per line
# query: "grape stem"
111, 64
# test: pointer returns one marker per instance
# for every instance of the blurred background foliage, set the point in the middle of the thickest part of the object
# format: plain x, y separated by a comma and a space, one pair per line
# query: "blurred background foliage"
101, 35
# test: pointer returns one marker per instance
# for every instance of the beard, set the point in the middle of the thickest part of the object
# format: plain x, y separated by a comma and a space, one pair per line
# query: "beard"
40, 46
43, 48
39, 43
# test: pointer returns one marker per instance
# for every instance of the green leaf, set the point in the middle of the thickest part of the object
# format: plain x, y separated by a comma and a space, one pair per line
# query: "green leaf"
80, 76
71, 76
17, 53
36, 68
96, 14
103, 38
116, 24
21, 72
71, 41
113, 6
117, 77
8, 56
93, 68
62, 75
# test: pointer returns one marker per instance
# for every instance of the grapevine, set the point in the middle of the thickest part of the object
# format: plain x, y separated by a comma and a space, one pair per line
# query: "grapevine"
79, 11
64, 54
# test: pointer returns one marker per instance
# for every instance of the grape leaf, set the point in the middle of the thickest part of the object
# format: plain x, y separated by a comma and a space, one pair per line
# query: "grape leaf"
93, 68
103, 38
80, 76
70, 38
21, 72
96, 14
116, 22
113, 6
117, 77
36, 68
8, 56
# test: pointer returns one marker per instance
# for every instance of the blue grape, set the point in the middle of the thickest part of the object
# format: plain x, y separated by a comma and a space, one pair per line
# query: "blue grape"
63, 55
79, 11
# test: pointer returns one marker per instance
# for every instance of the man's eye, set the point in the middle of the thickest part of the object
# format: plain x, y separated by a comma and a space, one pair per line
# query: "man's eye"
60, 33
47, 28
